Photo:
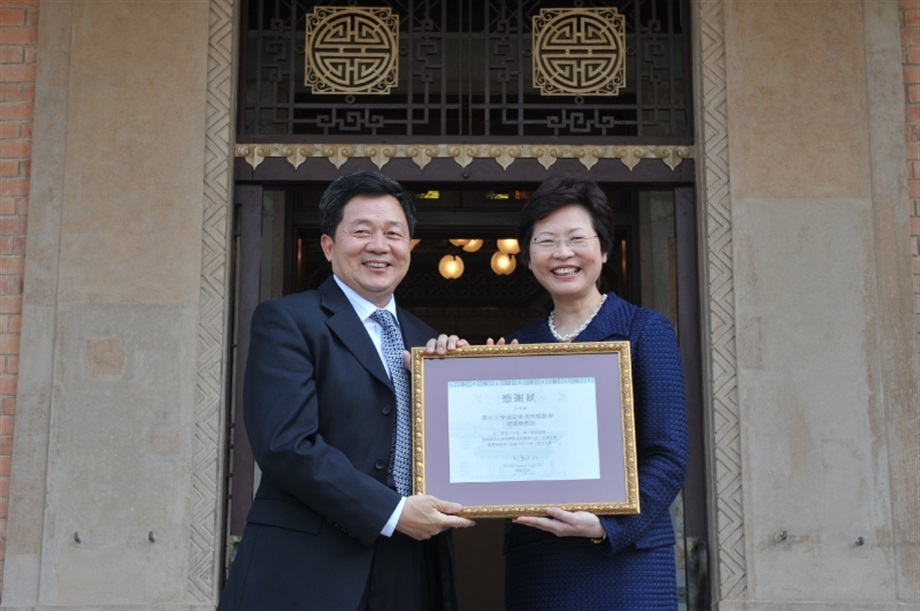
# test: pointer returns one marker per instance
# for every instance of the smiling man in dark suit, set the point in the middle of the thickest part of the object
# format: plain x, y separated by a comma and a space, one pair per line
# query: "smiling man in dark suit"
334, 524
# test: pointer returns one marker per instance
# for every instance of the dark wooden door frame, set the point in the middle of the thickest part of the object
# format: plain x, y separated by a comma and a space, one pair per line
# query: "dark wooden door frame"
241, 473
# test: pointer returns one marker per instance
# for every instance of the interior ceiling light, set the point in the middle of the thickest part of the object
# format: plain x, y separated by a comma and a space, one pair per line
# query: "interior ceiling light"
509, 246
451, 267
472, 245
502, 263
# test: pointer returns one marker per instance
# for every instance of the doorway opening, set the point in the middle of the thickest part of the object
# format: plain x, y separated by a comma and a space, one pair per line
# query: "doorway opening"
279, 253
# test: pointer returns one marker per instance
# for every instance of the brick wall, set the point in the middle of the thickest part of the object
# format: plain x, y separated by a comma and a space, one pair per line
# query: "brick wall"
910, 45
18, 34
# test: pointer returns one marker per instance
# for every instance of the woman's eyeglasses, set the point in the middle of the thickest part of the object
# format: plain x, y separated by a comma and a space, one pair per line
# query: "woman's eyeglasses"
574, 242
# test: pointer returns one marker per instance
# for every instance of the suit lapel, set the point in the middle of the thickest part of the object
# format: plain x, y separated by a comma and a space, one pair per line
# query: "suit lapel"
412, 334
344, 323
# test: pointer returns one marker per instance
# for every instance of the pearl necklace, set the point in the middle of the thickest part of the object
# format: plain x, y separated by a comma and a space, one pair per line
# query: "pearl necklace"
569, 336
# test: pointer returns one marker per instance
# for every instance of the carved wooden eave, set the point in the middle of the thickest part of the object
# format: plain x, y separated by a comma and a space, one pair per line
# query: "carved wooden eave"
464, 154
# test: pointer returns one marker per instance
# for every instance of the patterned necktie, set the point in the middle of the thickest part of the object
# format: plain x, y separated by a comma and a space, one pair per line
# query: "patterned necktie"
393, 354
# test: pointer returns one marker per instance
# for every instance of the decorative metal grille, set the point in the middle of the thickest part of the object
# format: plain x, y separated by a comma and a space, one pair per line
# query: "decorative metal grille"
352, 50
579, 51
466, 74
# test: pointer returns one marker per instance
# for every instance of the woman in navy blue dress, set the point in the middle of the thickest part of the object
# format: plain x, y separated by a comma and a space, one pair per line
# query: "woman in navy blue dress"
578, 560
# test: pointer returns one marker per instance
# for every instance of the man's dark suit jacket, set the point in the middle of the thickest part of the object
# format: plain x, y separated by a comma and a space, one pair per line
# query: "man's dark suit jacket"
319, 410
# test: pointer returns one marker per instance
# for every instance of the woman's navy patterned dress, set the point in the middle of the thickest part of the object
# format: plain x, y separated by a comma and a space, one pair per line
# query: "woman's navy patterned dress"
634, 568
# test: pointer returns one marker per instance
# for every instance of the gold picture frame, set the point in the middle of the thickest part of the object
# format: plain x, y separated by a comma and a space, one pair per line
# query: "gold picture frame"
512, 430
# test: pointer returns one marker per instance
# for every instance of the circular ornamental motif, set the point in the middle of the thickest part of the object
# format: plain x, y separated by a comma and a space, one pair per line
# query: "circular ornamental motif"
352, 50
579, 51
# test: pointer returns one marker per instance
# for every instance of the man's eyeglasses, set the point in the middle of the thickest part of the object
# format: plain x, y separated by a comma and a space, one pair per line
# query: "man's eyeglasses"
574, 242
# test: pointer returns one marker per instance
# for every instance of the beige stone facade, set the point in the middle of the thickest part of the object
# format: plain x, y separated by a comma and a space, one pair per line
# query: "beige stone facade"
811, 369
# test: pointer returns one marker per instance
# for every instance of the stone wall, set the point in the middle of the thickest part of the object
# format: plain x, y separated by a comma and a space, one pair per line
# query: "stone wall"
827, 384
103, 502
18, 43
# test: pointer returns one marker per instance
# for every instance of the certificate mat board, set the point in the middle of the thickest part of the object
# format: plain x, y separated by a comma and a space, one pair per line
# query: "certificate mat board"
512, 430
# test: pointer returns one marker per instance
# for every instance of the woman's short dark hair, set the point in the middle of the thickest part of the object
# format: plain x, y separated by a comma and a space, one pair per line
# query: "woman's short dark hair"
364, 182
558, 192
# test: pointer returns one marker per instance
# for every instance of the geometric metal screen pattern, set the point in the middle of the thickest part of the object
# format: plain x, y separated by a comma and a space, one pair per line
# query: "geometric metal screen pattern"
465, 72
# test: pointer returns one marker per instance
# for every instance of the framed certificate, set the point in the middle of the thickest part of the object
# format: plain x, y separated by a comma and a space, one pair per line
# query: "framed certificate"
511, 430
